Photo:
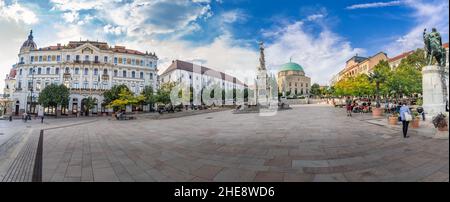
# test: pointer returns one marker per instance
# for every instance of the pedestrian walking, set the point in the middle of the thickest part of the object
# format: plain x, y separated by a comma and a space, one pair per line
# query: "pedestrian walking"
348, 104
406, 117
42, 119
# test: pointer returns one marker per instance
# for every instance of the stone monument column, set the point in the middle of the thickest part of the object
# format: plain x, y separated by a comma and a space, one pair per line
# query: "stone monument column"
433, 95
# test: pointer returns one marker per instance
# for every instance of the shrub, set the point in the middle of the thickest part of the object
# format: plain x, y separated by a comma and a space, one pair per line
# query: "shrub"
440, 121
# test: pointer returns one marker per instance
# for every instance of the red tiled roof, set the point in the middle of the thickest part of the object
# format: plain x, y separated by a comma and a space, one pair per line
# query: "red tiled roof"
186, 66
445, 45
100, 45
12, 73
401, 56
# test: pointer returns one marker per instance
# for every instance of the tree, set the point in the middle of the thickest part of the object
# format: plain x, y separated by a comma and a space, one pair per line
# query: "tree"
315, 89
149, 95
89, 103
416, 60
113, 93
54, 95
378, 76
163, 94
126, 98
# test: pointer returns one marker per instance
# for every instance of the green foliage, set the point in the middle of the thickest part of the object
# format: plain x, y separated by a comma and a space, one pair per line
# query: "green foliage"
315, 90
89, 103
113, 93
126, 98
54, 95
149, 95
416, 60
163, 94
406, 79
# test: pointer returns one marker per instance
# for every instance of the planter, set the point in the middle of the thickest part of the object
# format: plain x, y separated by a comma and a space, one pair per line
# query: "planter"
393, 120
443, 128
415, 123
377, 112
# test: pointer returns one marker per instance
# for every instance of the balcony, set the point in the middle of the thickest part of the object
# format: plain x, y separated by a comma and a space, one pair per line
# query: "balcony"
86, 62
67, 76
85, 91
105, 77
77, 61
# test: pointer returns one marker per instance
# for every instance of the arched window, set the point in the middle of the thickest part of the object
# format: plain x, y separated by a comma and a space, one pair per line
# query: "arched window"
77, 70
115, 73
141, 75
67, 70
105, 72
133, 74
39, 70
47, 71
124, 73
57, 71
20, 72
86, 71
95, 71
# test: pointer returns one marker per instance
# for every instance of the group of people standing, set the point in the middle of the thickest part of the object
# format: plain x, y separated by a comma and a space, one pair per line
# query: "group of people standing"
401, 107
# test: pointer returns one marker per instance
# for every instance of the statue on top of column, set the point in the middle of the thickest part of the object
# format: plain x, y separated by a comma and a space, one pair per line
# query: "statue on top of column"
262, 60
433, 47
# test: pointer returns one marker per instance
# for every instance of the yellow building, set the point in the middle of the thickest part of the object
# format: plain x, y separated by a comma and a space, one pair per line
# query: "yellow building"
292, 80
361, 65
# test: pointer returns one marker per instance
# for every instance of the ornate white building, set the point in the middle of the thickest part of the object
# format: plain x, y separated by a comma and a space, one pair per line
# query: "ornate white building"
87, 68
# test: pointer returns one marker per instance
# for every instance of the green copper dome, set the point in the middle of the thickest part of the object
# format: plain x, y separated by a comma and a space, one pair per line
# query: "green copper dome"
291, 67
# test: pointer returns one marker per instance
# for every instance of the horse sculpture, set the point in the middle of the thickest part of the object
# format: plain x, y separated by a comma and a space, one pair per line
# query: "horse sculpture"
433, 47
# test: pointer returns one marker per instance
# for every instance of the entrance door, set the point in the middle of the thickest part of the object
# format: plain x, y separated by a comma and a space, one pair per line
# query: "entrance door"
17, 110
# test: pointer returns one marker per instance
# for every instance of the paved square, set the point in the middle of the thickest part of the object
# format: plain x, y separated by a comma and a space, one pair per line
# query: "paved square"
308, 143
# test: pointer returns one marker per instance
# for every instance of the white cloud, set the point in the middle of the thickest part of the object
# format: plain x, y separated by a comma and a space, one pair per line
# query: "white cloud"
321, 56
70, 16
77, 5
234, 16
141, 17
222, 54
374, 5
115, 30
428, 14
315, 17
17, 12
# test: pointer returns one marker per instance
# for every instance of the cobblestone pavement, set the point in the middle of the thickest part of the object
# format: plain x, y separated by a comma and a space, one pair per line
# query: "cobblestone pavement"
309, 143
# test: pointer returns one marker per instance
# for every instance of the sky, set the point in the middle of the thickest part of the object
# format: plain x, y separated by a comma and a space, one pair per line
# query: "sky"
320, 35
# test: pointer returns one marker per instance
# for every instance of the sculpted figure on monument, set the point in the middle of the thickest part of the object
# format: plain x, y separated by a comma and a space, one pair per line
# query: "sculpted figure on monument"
433, 47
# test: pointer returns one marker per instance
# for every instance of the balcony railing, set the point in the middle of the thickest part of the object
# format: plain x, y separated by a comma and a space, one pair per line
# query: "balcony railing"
87, 91
67, 76
105, 77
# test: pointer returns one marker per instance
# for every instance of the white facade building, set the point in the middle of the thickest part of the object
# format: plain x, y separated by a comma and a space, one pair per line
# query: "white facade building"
199, 77
87, 68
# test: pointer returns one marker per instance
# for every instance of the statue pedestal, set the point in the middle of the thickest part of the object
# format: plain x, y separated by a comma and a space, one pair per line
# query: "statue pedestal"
433, 96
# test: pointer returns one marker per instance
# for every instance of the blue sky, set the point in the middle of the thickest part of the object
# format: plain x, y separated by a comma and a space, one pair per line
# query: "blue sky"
223, 34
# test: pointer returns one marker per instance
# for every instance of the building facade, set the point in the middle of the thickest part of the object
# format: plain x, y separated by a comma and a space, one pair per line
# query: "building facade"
359, 65
87, 68
200, 78
292, 80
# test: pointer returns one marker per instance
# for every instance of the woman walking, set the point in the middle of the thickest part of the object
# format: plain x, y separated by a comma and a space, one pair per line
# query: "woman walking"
406, 117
